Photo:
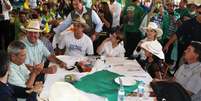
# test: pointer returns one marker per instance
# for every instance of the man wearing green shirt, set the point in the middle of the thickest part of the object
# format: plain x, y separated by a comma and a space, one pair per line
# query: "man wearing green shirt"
182, 10
133, 15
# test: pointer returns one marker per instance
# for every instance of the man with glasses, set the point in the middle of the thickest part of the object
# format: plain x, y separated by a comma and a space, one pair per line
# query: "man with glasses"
76, 42
188, 31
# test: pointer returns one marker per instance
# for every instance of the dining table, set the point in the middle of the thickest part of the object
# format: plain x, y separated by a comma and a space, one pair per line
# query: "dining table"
106, 68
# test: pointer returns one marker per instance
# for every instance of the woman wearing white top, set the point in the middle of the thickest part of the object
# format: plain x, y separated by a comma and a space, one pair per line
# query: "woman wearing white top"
112, 46
153, 32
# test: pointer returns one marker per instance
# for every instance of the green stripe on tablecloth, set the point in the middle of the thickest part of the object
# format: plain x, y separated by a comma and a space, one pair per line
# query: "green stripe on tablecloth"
102, 83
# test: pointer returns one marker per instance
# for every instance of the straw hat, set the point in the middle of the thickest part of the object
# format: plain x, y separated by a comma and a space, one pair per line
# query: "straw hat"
33, 26
154, 47
154, 26
82, 21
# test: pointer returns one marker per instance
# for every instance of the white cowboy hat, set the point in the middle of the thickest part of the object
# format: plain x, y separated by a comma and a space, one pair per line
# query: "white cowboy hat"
63, 91
81, 21
154, 26
154, 47
33, 26
131, 8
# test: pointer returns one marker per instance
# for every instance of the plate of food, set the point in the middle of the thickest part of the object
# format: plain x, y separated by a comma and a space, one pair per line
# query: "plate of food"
126, 81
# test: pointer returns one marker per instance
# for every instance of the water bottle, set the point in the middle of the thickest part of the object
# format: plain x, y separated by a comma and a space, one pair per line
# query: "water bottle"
141, 89
121, 92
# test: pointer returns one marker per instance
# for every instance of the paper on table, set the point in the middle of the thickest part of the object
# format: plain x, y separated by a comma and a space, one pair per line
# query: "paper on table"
128, 98
137, 73
59, 76
70, 60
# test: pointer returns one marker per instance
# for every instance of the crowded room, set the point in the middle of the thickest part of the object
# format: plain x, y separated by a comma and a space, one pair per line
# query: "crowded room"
100, 50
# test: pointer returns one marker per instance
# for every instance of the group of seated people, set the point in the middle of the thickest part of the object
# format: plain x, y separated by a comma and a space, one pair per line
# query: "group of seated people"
25, 61
26, 58
23, 66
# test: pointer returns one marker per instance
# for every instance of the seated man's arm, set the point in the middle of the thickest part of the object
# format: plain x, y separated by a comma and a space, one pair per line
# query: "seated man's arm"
54, 59
62, 46
32, 76
29, 67
90, 49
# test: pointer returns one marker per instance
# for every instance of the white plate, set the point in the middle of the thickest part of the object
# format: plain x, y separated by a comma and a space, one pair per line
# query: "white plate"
126, 81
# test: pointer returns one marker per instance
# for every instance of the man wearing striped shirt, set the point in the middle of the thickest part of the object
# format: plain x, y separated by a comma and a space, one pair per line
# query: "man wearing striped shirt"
37, 53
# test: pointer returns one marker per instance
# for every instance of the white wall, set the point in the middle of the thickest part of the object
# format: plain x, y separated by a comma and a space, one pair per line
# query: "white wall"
198, 2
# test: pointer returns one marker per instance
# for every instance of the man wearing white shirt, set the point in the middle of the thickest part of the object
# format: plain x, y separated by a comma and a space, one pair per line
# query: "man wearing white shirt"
76, 43
5, 36
20, 78
115, 8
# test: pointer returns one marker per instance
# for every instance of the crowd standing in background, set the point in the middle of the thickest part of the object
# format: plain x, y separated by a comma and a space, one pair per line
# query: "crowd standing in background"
163, 37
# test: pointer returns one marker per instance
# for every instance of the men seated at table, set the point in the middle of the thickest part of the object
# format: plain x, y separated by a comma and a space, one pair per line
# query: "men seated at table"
154, 58
6, 93
189, 74
20, 78
37, 53
76, 42
112, 46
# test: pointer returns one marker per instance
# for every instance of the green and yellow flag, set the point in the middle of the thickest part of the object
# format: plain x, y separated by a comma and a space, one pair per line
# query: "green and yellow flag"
26, 4
47, 28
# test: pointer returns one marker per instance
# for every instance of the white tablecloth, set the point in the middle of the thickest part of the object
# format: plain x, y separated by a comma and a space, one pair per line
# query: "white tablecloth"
118, 65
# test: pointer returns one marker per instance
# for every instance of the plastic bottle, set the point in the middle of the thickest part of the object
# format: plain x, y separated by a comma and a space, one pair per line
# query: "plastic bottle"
141, 89
121, 92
